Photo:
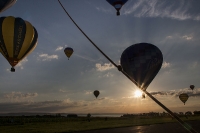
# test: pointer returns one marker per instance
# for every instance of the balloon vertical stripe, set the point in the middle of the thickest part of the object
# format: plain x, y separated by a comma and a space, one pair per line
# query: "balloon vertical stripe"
8, 33
20, 32
2, 44
27, 39
33, 43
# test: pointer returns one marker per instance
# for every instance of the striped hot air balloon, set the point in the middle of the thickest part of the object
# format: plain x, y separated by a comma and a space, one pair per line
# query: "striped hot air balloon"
5, 4
68, 52
183, 97
18, 38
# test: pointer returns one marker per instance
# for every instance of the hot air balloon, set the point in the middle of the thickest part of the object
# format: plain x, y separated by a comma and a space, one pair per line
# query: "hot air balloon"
143, 95
183, 97
117, 4
142, 62
68, 51
18, 38
96, 93
5, 4
192, 87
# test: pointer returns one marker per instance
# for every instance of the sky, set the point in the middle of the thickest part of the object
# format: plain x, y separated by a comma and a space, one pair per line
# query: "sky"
46, 81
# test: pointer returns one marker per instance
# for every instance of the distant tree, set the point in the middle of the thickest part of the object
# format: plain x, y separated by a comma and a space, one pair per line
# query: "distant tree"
181, 113
88, 116
72, 115
58, 115
196, 112
188, 113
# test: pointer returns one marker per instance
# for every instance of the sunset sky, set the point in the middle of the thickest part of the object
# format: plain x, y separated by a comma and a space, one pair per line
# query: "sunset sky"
46, 81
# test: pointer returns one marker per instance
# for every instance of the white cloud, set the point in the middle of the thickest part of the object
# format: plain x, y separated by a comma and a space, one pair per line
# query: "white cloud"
61, 90
21, 63
88, 92
103, 10
187, 37
18, 96
46, 57
166, 65
59, 48
108, 75
176, 93
106, 66
162, 8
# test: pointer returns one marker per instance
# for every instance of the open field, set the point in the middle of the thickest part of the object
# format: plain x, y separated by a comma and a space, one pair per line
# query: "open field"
33, 124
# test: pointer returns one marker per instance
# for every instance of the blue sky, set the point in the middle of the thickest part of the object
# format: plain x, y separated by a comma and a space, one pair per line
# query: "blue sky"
46, 81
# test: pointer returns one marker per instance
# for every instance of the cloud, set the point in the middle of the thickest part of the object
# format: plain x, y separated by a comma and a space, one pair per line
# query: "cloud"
103, 10
108, 75
106, 66
46, 57
88, 92
21, 63
59, 48
195, 93
181, 10
193, 65
166, 65
18, 96
43, 106
187, 37
63, 91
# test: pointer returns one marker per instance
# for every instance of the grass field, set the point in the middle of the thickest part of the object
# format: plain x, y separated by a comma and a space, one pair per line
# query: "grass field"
64, 124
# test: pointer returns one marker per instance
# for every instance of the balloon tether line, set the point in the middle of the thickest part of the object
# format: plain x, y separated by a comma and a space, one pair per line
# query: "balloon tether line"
189, 128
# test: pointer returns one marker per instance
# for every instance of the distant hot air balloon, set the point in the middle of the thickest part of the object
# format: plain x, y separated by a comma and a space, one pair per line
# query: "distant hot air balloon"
5, 4
117, 4
18, 38
68, 51
192, 87
143, 95
96, 93
142, 62
183, 97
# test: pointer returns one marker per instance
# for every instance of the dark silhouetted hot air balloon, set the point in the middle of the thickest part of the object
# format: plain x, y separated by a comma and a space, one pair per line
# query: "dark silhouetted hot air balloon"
5, 4
143, 95
142, 62
183, 97
68, 51
192, 87
96, 93
117, 4
18, 38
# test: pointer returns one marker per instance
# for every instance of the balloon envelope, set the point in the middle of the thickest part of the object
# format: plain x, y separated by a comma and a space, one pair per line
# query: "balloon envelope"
142, 62
183, 97
5, 4
96, 93
117, 4
192, 87
68, 51
18, 38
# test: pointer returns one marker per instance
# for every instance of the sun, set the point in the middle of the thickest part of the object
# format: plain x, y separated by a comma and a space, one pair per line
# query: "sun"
138, 93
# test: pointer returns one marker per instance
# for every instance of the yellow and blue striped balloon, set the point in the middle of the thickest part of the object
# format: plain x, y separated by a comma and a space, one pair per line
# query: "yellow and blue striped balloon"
183, 97
18, 38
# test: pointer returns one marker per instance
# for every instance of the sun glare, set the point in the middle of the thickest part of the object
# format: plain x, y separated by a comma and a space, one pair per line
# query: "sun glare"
138, 93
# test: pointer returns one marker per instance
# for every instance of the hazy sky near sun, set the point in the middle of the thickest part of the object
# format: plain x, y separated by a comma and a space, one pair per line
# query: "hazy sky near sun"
46, 81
